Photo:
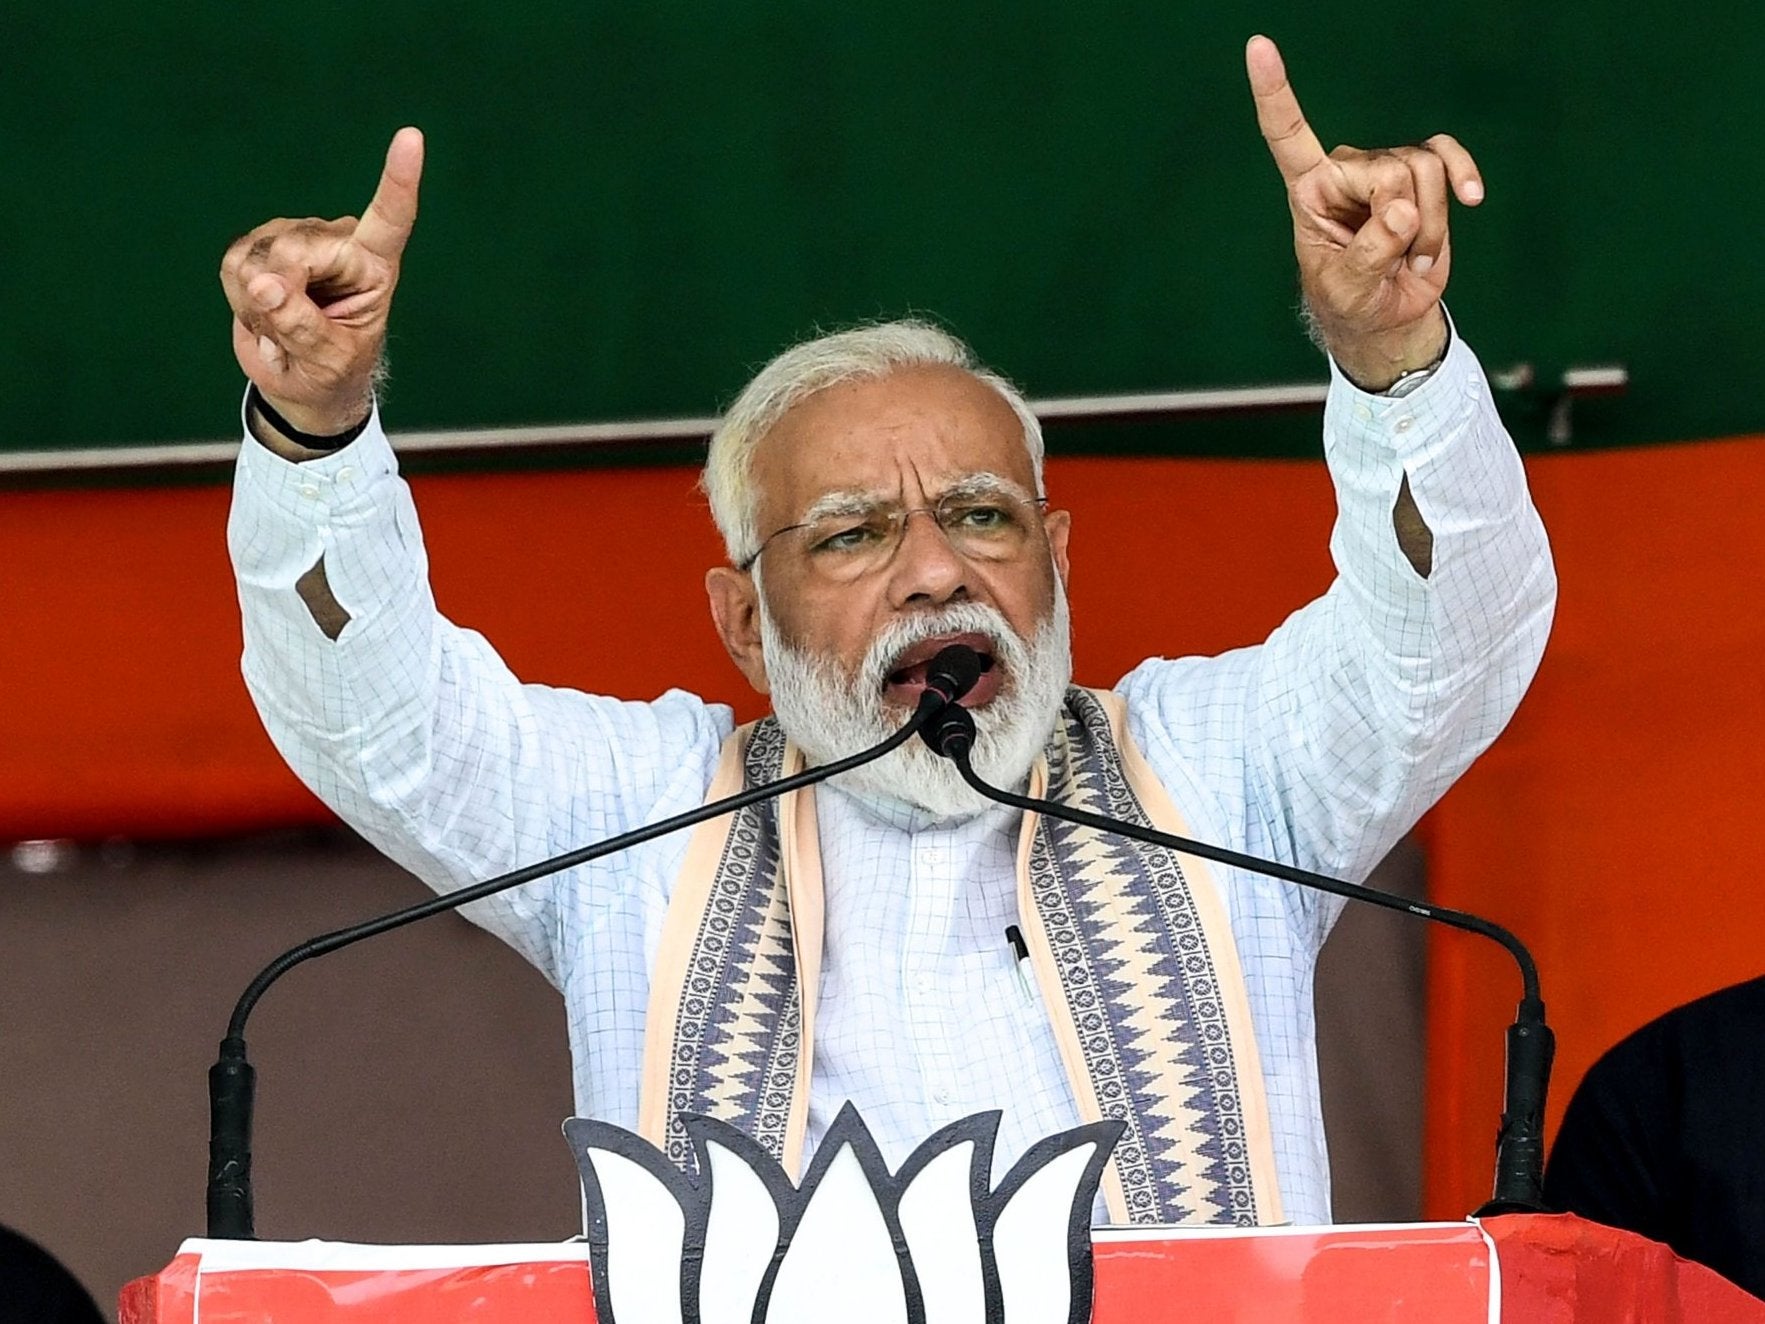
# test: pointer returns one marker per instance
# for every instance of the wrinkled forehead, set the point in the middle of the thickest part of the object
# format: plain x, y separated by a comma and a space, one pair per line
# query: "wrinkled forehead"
908, 437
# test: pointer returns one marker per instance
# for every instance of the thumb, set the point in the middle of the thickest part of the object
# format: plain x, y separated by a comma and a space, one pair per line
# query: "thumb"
1378, 246
386, 224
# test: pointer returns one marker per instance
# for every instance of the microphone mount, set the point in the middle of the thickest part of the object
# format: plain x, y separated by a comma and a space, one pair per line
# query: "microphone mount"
232, 1080
1531, 1045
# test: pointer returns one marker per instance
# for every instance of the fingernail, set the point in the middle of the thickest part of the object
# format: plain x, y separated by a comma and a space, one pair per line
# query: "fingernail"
271, 351
1420, 264
1474, 191
268, 292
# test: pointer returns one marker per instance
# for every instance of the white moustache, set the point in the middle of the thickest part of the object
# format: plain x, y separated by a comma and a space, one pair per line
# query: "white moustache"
895, 638
830, 713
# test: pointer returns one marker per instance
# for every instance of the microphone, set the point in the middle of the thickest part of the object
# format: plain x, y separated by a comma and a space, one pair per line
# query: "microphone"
954, 672
1519, 1154
232, 1080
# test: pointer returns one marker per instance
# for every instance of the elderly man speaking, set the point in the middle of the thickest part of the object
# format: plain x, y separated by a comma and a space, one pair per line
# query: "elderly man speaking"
880, 495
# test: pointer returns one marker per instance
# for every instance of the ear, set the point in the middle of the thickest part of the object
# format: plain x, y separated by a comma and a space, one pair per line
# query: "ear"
1058, 524
735, 608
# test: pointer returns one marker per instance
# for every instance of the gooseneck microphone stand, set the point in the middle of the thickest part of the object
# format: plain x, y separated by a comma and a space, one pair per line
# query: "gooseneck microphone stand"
232, 1080
1519, 1156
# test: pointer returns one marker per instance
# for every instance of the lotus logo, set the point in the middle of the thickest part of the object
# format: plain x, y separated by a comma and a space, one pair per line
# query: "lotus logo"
930, 1244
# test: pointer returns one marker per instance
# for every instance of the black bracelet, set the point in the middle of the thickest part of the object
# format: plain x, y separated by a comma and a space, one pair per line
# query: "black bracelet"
254, 399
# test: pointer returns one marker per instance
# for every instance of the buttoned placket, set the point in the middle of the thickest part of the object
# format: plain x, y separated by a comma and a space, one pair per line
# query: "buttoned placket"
318, 484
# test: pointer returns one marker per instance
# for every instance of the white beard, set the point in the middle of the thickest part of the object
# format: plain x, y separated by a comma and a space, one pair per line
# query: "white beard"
831, 715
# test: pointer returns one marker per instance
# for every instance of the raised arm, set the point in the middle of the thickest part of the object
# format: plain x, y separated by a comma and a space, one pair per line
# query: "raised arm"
1336, 734
411, 728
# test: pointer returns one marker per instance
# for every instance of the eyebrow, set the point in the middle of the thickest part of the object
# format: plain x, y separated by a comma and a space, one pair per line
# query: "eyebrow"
848, 501
855, 501
985, 483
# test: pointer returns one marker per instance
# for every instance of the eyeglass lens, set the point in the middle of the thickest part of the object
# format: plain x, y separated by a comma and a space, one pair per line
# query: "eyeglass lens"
993, 527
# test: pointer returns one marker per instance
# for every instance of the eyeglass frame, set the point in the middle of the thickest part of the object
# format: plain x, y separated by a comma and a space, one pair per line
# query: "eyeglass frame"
972, 487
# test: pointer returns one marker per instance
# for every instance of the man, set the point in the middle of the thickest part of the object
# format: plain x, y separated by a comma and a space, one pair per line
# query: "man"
1665, 1135
850, 944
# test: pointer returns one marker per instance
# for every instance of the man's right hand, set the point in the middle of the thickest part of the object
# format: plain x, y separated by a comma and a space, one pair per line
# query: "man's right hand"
310, 299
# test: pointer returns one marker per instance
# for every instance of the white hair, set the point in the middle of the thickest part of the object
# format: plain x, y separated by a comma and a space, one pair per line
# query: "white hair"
859, 354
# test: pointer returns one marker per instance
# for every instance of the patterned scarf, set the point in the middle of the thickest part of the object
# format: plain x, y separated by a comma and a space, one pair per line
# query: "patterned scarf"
1130, 944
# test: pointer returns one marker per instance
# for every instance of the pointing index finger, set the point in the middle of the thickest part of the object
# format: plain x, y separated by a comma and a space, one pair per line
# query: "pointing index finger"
1294, 146
386, 224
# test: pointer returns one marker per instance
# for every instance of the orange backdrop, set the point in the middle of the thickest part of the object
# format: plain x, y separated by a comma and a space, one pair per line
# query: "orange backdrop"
1609, 827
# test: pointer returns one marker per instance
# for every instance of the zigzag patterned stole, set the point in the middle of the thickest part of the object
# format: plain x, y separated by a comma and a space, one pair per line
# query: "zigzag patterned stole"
1134, 954
728, 1030
1131, 947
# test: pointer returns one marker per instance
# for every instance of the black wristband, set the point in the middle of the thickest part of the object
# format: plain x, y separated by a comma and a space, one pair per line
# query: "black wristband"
254, 399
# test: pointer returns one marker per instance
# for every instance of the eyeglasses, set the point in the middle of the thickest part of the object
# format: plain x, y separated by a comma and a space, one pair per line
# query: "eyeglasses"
848, 544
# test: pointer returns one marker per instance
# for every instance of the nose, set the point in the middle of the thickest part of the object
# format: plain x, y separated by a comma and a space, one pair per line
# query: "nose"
926, 568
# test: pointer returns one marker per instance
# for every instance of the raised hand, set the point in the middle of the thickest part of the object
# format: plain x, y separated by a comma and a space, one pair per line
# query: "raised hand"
310, 299
1369, 228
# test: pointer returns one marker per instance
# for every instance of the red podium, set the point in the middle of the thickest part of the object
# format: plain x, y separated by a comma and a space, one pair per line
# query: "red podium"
1531, 1270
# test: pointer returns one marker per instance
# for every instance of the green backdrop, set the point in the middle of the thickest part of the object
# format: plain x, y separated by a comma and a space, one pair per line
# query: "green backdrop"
626, 208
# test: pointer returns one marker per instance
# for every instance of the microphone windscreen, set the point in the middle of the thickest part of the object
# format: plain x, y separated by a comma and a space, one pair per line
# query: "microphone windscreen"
953, 671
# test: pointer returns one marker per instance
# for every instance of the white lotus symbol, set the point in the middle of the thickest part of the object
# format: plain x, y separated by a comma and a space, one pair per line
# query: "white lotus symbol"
930, 1244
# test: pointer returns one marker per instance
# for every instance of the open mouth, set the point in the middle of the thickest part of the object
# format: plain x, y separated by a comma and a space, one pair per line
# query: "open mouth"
907, 678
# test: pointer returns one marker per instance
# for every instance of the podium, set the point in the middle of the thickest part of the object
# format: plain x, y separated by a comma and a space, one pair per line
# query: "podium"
1531, 1269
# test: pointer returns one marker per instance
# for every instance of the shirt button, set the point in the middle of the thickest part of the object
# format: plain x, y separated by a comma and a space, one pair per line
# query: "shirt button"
942, 1096
930, 855
923, 983
1405, 423
345, 474
310, 492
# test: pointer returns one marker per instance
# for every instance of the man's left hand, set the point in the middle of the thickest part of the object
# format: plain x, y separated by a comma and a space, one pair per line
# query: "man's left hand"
1369, 229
